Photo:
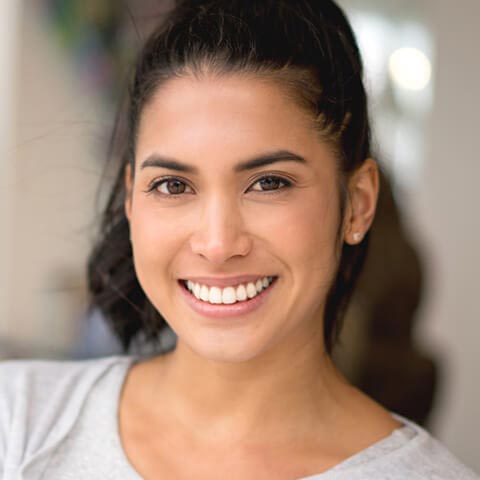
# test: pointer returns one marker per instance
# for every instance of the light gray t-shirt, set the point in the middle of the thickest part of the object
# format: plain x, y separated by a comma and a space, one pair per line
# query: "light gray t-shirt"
58, 421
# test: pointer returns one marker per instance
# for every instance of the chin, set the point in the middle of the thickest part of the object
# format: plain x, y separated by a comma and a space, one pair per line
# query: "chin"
224, 351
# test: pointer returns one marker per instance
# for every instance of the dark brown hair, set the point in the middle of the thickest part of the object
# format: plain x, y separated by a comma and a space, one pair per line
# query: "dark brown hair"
306, 45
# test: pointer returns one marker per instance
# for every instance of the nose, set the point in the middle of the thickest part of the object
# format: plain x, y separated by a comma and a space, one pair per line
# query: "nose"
220, 232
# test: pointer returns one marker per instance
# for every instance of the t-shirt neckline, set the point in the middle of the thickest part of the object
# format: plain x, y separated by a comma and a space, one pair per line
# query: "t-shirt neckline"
392, 442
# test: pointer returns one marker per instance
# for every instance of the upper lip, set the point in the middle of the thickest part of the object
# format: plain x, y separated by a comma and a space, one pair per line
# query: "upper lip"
225, 281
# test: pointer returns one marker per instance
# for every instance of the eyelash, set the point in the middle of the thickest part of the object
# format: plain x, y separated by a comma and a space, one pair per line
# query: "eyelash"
154, 185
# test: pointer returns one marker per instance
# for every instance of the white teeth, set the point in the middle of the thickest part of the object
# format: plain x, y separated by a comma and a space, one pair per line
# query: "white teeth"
241, 293
215, 295
228, 295
204, 293
251, 290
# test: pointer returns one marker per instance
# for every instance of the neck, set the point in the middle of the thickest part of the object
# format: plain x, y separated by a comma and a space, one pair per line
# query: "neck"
258, 398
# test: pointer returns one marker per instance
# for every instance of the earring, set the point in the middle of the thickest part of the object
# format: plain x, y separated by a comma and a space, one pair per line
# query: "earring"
357, 237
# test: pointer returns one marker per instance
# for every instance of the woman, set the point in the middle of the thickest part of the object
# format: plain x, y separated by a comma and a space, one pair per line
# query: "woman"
240, 218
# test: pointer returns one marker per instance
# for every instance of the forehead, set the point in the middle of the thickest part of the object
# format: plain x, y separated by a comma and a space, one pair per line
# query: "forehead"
230, 113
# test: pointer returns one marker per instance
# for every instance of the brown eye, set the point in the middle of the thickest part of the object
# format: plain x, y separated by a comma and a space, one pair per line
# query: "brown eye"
174, 187
270, 183
170, 187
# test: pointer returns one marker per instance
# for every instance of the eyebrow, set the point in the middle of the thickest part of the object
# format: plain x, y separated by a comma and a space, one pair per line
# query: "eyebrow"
160, 161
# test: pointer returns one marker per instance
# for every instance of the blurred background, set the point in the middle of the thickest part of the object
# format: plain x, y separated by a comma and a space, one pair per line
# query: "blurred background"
412, 332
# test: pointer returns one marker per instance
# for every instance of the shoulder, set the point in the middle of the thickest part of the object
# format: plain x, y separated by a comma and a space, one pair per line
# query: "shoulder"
40, 401
423, 457
408, 452
430, 459
35, 381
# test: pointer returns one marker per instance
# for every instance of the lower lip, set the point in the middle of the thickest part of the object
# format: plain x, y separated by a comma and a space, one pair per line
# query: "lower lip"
233, 310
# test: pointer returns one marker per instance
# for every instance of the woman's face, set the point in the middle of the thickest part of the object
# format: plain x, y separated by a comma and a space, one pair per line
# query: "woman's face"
233, 186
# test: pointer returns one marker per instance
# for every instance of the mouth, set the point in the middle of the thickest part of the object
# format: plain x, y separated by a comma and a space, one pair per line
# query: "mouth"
242, 292
220, 302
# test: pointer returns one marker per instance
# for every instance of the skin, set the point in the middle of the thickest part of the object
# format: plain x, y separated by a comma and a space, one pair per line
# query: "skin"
256, 398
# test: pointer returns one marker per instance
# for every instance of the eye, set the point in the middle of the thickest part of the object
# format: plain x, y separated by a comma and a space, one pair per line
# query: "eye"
270, 183
169, 187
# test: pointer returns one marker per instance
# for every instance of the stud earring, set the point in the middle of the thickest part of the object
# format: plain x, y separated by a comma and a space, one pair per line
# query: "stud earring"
356, 237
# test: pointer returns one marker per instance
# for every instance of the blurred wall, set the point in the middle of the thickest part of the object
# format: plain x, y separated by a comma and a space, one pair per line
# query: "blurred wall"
9, 37
54, 176
444, 211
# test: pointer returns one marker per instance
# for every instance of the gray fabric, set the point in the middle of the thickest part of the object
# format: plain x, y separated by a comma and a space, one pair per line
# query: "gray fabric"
58, 421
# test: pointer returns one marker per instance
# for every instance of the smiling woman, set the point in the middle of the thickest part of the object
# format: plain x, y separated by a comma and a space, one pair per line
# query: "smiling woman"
240, 219
255, 178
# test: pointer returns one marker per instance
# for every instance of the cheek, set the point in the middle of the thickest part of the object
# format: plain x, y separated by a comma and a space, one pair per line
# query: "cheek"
304, 232
156, 235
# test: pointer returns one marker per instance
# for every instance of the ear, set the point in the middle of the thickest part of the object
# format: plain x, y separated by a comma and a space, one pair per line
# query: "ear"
363, 188
128, 190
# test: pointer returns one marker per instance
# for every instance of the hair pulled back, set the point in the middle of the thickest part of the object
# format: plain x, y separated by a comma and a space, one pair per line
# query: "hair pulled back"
306, 45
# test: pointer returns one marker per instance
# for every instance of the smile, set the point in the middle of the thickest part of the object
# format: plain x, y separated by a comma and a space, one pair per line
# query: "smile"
230, 294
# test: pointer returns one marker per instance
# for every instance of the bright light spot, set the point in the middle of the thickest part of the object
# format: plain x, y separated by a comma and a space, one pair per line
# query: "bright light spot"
374, 35
410, 68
